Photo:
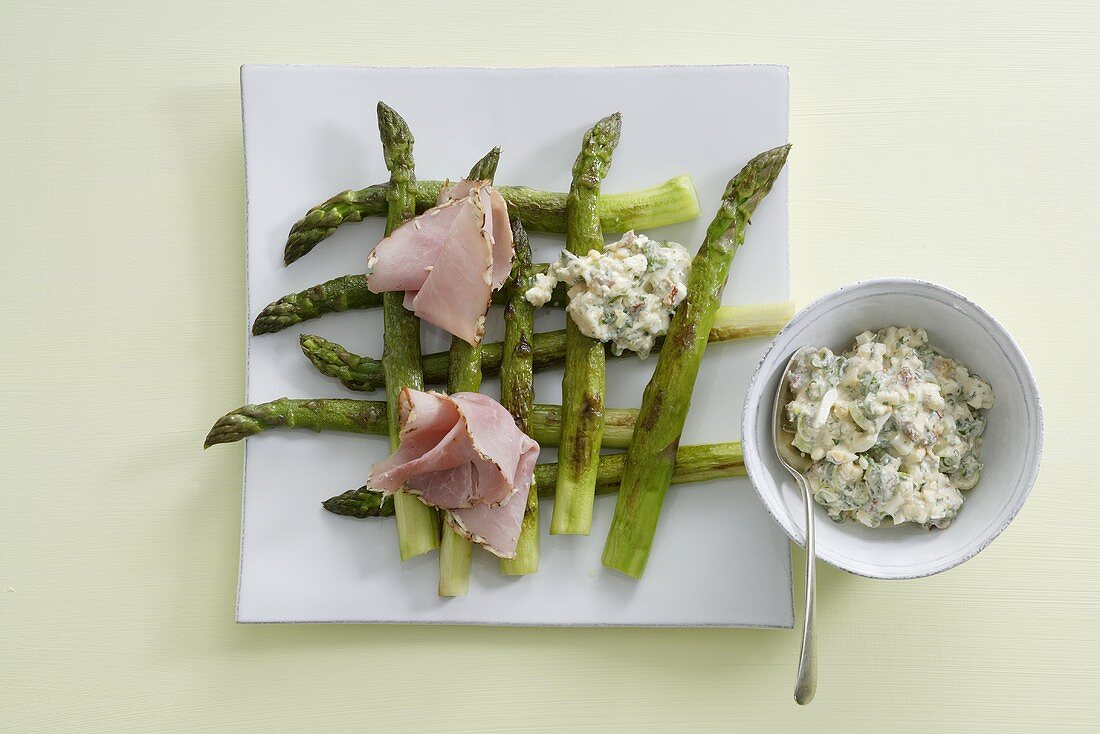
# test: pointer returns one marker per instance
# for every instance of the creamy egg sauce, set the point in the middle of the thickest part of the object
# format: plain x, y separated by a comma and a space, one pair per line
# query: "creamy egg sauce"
893, 427
625, 295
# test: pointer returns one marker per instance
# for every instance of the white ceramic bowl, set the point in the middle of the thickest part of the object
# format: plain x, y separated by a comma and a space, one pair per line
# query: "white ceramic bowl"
1012, 440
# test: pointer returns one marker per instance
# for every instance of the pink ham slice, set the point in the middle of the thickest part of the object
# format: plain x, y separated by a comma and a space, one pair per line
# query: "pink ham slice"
501, 228
460, 190
463, 453
503, 247
496, 528
449, 259
455, 294
402, 261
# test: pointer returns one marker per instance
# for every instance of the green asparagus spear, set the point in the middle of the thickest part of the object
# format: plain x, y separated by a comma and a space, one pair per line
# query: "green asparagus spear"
667, 397
464, 375
332, 296
693, 464
582, 385
323, 414
417, 524
370, 417
364, 374
361, 503
345, 293
517, 391
540, 211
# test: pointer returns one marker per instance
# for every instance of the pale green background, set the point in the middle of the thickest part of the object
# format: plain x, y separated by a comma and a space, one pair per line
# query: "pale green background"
952, 141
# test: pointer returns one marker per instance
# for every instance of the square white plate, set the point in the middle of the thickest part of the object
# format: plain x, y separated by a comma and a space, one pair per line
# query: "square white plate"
310, 132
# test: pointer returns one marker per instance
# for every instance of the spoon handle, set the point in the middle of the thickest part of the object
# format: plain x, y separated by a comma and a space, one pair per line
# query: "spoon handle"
806, 685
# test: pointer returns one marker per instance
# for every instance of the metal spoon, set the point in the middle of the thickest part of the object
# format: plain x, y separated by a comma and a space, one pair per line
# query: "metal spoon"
796, 463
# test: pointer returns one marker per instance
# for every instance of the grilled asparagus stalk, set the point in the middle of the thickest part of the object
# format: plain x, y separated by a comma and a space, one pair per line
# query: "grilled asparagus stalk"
582, 387
693, 464
417, 524
365, 374
540, 211
517, 391
463, 375
651, 457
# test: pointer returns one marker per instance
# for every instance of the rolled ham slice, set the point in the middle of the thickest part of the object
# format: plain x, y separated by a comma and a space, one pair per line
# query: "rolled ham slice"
449, 259
463, 453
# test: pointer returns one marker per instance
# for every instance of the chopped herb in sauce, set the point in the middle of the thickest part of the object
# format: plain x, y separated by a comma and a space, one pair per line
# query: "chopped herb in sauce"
625, 295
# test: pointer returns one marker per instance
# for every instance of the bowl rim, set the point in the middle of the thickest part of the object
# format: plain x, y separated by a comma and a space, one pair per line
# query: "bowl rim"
754, 464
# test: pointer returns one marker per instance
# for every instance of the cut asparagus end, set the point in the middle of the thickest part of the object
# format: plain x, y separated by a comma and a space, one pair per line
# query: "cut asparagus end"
671, 202
627, 555
573, 500
417, 526
527, 548
455, 556
746, 322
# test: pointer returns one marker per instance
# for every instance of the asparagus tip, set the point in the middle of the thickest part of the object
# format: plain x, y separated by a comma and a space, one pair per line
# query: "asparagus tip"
392, 125
360, 503
762, 172
765, 167
291, 251
485, 169
311, 342
612, 126
231, 427
751, 184
269, 321
779, 154
211, 439
596, 148
304, 236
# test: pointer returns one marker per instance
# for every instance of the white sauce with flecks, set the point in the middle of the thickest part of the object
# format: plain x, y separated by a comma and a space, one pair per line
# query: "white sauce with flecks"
625, 295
